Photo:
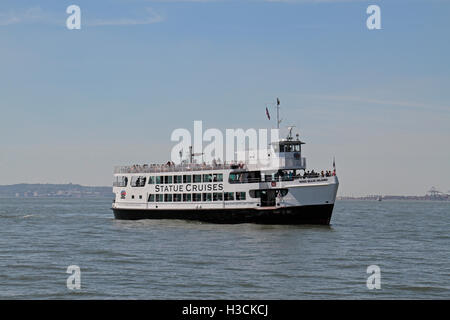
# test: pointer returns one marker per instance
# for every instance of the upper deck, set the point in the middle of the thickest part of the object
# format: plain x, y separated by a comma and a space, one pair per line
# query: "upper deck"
157, 168
283, 154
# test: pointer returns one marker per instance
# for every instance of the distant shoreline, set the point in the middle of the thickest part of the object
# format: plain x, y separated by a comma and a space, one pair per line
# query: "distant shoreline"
398, 198
39, 190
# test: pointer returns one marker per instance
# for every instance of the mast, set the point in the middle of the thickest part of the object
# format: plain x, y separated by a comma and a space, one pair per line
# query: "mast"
192, 155
278, 113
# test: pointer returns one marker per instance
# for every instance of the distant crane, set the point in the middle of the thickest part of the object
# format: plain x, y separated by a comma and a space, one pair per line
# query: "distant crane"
434, 193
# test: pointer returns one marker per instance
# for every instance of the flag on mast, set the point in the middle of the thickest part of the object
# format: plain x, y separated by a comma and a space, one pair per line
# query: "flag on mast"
334, 167
267, 113
278, 102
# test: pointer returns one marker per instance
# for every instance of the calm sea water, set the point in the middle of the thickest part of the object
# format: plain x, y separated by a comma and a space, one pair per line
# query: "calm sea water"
164, 259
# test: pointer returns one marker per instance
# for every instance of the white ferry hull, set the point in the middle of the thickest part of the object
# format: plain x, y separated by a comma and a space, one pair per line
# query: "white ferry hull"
308, 201
271, 187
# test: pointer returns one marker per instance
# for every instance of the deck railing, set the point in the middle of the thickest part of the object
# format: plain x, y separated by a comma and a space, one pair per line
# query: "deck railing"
156, 168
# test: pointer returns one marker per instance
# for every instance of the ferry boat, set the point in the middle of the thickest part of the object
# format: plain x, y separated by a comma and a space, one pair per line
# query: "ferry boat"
281, 192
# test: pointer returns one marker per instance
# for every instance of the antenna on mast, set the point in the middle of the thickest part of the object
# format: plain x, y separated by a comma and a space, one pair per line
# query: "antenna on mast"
278, 114
290, 132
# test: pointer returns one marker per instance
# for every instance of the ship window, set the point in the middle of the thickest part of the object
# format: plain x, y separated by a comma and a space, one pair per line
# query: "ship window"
177, 179
187, 197
140, 196
234, 178
228, 196
218, 177
197, 197
168, 197
187, 178
258, 193
284, 175
255, 193
151, 198
245, 177
290, 147
132, 197
151, 180
120, 181
207, 178
217, 196
167, 179
207, 197
240, 195
197, 178
177, 197
158, 179
138, 181
159, 198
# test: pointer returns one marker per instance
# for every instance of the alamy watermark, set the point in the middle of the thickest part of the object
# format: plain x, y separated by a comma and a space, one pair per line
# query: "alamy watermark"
374, 280
74, 20
236, 145
373, 22
74, 280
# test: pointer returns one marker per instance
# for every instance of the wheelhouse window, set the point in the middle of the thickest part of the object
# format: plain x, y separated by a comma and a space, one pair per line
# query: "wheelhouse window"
138, 181
151, 180
187, 178
197, 178
290, 146
158, 179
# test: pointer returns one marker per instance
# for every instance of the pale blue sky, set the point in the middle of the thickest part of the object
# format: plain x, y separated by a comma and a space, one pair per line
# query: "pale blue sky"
75, 103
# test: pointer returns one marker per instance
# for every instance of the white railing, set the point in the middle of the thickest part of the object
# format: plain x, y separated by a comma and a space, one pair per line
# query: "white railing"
155, 168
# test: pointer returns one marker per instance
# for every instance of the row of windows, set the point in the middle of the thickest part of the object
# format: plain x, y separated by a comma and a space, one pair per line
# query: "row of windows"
139, 181
187, 178
196, 197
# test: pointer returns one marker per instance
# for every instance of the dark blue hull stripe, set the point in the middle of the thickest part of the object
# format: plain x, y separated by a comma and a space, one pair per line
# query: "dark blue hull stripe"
315, 214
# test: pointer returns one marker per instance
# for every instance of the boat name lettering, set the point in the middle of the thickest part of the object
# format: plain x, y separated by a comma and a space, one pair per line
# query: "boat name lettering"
189, 187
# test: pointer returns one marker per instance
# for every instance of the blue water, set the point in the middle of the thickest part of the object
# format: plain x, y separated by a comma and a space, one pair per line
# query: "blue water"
172, 259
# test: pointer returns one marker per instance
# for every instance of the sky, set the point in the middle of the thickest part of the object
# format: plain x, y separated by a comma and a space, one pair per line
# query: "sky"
75, 103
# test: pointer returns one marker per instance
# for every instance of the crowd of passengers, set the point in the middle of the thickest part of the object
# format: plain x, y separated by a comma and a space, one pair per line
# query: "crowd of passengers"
312, 174
169, 165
